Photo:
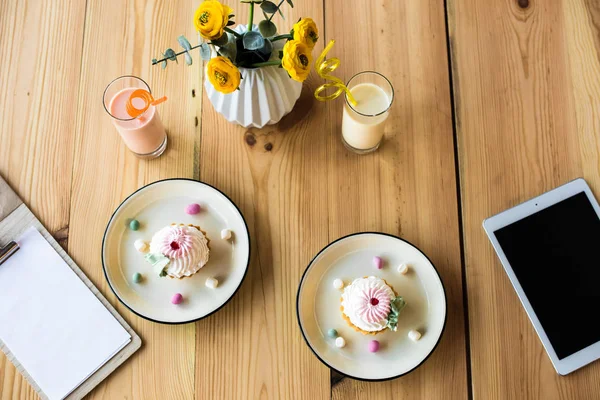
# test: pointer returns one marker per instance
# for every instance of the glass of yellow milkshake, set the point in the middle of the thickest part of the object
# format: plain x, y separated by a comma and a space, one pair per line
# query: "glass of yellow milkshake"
363, 124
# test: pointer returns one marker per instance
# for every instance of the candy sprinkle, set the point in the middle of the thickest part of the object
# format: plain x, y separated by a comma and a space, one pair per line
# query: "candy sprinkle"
340, 342
134, 225
332, 333
137, 277
177, 298
192, 209
373, 346
378, 262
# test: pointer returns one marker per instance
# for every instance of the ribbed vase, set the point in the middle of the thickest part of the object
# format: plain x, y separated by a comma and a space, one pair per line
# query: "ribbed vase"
266, 94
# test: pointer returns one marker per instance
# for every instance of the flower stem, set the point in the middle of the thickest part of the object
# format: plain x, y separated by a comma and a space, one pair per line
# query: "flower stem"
176, 54
278, 5
266, 63
234, 33
250, 16
286, 36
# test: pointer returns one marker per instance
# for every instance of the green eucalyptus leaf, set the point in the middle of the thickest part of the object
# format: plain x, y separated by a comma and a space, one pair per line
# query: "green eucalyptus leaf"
225, 52
231, 49
290, 3
154, 61
281, 13
184, 43
268, 6
188, 58
266, 49
397, 304
230, 23
253, 40
171, 55
205, 51
231, 15
222, 41
267, 28
163, 65
281, 54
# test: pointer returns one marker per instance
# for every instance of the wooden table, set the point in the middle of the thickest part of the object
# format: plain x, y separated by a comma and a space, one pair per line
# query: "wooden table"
496, 101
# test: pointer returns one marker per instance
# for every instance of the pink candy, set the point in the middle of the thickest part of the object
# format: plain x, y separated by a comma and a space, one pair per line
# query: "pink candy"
378, 262
177, 298
373, 346
192, 209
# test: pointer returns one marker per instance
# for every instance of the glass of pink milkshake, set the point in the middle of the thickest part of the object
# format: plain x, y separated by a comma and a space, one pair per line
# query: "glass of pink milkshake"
145, 134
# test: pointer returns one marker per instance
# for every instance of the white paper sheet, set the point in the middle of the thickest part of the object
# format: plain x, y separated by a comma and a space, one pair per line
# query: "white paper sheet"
52, 323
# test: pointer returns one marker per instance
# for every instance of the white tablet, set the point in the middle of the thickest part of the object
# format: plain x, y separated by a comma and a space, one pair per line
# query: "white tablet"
550, 249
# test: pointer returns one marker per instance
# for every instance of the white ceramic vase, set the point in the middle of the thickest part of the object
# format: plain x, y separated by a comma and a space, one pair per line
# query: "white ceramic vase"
266, 94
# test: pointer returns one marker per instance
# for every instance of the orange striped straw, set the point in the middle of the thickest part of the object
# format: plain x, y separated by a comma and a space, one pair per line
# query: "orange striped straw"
144, 95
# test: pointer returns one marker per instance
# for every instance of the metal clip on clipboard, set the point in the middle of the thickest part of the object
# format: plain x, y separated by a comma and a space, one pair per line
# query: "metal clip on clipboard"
7, 251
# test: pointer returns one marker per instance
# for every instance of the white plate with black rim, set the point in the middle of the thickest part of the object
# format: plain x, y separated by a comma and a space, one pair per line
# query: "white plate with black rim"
155, 206
351, 257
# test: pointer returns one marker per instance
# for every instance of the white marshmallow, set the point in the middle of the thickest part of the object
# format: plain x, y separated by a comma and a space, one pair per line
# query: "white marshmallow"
211, 283
225, 234
141, 246
414, 335
338, 283
403, 268
340, 342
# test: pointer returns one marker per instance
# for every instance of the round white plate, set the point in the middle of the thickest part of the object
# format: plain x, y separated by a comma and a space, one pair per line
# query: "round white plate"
155, 206
351, 257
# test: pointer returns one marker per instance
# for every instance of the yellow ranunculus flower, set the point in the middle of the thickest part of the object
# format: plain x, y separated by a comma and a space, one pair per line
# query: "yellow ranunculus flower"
306, 32
296, 60
223, 75
211, 18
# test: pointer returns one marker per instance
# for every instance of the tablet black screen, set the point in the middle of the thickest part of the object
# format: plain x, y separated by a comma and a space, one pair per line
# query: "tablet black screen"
555, 254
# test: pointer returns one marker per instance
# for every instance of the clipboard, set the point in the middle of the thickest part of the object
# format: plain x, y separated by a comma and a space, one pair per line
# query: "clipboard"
15, 218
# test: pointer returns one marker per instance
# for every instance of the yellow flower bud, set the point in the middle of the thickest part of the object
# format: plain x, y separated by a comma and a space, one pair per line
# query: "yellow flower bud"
223, 75
296, 60
211, 18
306, 31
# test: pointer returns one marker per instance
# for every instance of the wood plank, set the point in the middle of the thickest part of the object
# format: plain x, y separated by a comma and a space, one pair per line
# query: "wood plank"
40, 52
253, 348
526, 88
122, 40
407, 187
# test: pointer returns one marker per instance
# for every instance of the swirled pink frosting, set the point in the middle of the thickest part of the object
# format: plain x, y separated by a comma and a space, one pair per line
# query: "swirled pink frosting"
185, 246
176, 242
367, 302
373, 304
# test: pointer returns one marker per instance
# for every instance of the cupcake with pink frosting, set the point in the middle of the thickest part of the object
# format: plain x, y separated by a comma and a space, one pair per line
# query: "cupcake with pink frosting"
178, 250
370, 305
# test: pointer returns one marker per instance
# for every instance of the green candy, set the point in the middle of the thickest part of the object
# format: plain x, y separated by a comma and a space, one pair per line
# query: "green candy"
137, 277
134, 225
332, 333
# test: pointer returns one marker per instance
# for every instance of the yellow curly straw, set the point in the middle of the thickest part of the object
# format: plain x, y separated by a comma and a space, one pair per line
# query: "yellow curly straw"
324, 68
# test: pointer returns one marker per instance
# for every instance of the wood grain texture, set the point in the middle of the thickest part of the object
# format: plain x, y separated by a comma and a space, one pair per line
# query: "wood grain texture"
40, 60
121, 40
526, 89
408, 187
252, 348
